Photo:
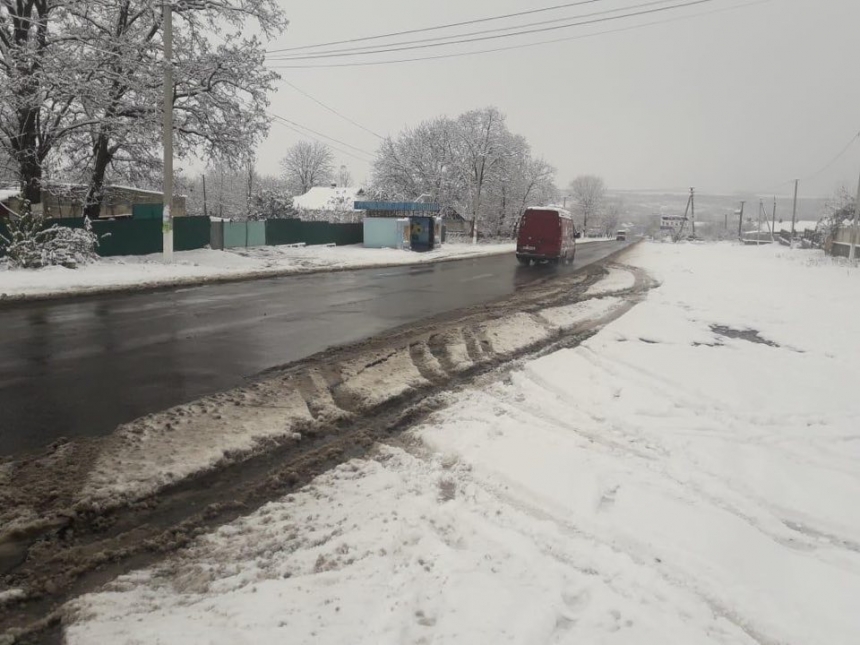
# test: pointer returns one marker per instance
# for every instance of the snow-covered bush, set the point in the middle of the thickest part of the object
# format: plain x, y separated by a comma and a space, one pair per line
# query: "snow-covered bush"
30, 245
271, 204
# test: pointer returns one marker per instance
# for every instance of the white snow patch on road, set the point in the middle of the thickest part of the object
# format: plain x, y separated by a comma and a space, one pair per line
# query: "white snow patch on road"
514, 333
569, 316
372, 381
201, 265
617, 280
153, 452
11, 595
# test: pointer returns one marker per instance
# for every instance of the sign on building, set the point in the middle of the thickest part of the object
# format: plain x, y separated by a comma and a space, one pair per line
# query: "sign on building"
672, 222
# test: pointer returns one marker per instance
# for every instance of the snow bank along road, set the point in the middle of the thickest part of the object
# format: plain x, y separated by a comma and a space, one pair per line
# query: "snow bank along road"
75, 368
81, 511
687, 475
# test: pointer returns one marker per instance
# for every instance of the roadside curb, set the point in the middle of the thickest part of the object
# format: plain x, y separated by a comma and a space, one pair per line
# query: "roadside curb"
196, 281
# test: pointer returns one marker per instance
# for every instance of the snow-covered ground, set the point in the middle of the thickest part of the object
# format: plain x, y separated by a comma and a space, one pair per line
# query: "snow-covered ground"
191, 267
690, 474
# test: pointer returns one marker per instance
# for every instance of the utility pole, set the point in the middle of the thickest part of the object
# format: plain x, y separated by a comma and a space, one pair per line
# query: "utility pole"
760, 209
773, 221
205, 209
726, 223
693, 209
166, 215
741, 222
794, 212
852, 252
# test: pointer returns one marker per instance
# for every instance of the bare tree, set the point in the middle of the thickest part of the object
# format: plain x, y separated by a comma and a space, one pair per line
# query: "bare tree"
589, 193
482, 142
472, 164
344, 177
420, 161
610, 218
307, 164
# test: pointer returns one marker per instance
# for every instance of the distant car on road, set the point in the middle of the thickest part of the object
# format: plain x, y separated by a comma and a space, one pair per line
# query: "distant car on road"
546, 235
621, 236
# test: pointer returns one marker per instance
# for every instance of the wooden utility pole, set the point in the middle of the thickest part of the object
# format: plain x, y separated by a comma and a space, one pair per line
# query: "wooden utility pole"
773, 221
684, 222
741, 222
205, 209
855, 228
794, 211
166, 215
758, 233
693, 209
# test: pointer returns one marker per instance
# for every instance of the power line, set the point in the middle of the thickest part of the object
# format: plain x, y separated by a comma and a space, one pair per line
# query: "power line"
835, 159
437, 27
828, 165
332, 110
524, 45
350, 50
298, 128
581, 23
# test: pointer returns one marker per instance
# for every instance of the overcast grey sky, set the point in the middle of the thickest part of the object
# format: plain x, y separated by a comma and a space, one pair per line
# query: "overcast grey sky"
737, 100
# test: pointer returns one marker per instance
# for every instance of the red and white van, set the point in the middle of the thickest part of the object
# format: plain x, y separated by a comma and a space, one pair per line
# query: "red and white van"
546, 234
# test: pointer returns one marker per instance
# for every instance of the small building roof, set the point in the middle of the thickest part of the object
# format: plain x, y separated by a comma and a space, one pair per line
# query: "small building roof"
321, 198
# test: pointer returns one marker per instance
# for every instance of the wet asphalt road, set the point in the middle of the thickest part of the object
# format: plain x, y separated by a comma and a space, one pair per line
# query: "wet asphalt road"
81, 367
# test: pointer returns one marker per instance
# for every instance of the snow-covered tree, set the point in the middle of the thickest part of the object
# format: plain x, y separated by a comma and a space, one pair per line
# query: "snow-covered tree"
344, 177
82, 80
269, 203
472, 164
610, 217
420, 161
483, 144
588, 193
307, 164
40, 70
220, 88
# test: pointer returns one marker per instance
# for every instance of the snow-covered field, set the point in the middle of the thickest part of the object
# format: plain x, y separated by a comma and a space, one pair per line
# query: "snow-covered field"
202, 265
690, 474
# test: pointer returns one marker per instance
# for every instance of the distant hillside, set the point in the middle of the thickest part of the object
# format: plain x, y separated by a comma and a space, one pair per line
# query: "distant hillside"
645, 208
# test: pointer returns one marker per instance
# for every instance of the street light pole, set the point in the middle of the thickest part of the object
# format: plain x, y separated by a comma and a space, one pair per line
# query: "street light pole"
166, 215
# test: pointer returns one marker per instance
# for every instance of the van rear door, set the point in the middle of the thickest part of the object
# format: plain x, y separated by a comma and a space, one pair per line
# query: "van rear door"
540, 234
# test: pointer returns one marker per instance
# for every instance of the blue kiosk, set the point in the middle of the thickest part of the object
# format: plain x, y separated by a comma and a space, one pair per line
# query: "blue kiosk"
414, 225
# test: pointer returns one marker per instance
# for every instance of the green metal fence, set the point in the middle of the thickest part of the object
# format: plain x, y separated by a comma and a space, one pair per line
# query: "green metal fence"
144, 236
294, 231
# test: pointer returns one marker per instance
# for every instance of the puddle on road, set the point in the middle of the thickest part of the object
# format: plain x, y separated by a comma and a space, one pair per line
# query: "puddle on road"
750, 335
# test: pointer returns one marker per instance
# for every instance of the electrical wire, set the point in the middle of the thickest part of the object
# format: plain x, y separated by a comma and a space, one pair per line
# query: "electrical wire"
351, 50
835, 159
524, 45
581, 23
331, 109
437, 27
298, 128
772, 187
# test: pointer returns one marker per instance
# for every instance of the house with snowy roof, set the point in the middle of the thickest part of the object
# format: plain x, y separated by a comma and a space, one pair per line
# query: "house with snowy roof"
330, 204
